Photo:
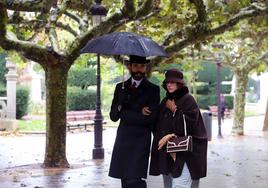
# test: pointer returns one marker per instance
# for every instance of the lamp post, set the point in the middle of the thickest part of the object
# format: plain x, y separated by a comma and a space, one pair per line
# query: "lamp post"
218, 89
218, 86
98, 12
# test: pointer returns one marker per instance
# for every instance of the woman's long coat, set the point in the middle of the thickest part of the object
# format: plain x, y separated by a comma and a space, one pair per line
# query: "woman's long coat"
131, 150
161, 162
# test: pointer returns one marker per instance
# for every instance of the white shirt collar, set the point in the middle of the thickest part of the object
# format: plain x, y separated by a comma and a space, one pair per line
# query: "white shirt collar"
136, 81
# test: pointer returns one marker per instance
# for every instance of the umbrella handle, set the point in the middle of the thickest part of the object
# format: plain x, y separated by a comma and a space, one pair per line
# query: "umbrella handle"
123, 84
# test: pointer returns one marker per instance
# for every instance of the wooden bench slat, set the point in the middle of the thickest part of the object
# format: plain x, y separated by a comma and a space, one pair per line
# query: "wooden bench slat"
80, 118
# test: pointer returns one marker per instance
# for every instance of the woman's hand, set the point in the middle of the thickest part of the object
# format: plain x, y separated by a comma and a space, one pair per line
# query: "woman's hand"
164, 140
170, 104
173, 155
145, 111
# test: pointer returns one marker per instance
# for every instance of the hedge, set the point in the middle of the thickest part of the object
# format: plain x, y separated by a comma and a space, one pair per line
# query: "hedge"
204, 101
82, 77
209, 73
22, 98
3, 91
229, 99
3, 69
202, 89
80, 99
226, 89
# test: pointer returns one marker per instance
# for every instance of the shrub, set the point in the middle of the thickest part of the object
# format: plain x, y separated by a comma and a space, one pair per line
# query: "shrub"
22, 100
229, 99
81, 99
157, 80
3, 91
82, 77
204, 101
38, 108
226, 89
209, 74
3, 69
202, 89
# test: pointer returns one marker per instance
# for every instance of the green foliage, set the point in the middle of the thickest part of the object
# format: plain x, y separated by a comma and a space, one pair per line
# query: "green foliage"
226, 89
204, 101
209, 74
37, 108
229, 99
22, 101
3, 91
85, 60
111, 73
81, 99
158, 79
82, 77
3, 69
202, 89
32, 125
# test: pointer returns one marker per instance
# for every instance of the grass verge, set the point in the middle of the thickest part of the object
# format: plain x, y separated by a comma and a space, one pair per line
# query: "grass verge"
31, 125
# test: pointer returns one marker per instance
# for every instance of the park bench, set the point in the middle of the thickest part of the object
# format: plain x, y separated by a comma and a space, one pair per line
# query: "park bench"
214, 111
78, 119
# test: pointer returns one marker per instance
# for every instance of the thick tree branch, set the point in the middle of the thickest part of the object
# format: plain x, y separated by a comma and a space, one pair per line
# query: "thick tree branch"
107, 26
196, 35
201, 10
62, 8
73, 16
251, 11
66, 28
129, 8
145, 8
258, 61
82, 22
175, 34
29, 50
27, 5
52, 34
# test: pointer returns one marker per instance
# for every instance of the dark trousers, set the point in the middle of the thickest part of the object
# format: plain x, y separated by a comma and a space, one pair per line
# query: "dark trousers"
133, 183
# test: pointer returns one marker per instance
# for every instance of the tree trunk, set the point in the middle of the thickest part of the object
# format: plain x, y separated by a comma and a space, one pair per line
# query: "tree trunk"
265, 126
56, 87
239, 101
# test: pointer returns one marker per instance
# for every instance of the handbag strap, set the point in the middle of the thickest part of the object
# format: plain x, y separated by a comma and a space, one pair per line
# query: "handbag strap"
184, 124
179, 103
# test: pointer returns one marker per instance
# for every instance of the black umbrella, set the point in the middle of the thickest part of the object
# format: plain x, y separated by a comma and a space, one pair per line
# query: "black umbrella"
124, 43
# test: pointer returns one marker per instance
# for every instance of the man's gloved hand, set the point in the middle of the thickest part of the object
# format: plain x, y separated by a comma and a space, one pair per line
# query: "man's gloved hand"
123, 99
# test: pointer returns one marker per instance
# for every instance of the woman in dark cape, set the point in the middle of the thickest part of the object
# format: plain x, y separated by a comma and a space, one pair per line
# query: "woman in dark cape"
178, 168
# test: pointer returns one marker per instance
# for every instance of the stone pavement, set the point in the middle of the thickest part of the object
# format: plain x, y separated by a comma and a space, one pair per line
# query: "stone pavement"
233, 162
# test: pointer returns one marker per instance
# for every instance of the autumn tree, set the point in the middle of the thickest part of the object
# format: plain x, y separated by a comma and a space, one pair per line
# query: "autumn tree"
244, 52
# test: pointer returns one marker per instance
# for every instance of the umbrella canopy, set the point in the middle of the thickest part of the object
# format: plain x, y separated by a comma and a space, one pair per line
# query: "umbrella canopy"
124, 43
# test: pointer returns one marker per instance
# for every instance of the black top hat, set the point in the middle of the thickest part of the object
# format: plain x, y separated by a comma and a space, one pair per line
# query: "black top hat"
174, 75
138, 59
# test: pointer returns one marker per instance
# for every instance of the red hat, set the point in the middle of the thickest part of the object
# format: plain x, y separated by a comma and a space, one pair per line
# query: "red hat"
174, 75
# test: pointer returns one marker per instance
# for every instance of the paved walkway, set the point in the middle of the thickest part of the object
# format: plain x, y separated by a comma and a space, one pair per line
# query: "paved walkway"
233, 162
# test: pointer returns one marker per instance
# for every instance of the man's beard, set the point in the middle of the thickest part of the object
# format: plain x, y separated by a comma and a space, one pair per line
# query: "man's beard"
137, 75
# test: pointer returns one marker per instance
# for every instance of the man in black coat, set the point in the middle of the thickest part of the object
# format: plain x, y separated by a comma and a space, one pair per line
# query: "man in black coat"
135, 105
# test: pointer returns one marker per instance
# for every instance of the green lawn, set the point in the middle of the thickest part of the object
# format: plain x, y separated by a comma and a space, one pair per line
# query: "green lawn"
31, 125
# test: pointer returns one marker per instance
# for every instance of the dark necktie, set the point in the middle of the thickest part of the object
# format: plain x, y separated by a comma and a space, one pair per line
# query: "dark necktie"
133, 87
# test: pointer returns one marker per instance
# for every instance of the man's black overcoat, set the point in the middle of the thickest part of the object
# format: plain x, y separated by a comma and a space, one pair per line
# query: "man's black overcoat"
132, 145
